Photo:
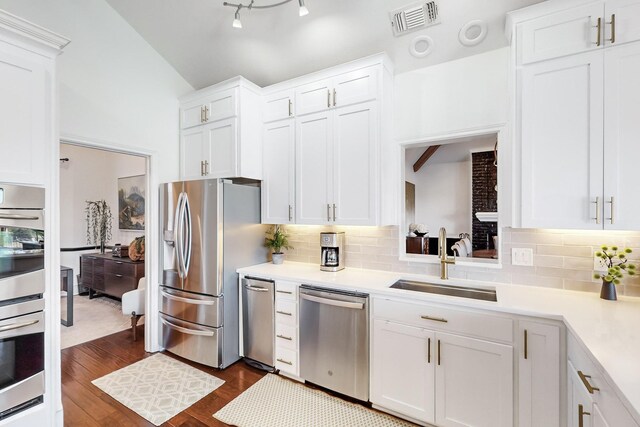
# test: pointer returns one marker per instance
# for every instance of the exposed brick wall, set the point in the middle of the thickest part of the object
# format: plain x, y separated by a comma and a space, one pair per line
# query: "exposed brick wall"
484, 198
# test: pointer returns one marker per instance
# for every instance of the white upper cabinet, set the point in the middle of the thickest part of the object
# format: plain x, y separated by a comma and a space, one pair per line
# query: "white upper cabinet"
561, 142
622, 147
278, 185
278, 106
221, 133
575, 114
622, 21
564, 33
340, 91
539, 375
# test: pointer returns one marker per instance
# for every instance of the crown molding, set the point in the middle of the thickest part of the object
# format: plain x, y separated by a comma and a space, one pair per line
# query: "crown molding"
32, 32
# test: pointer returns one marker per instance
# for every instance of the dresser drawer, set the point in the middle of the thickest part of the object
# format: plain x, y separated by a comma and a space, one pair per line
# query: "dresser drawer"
118, 284
287, 360
286, 336
287, 312
120, 267
488, 326
286, 290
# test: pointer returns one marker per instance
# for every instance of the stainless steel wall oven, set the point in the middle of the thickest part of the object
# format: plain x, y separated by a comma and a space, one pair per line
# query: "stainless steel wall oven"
22, 285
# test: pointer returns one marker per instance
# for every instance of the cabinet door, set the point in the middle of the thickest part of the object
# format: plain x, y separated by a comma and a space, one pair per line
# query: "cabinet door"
562, 142
621, 145
192, 153
354, 87
221, 105
474, 382
354, 160
539, 375
560, 34
279, 173
598, 418
24, 141
192, 114
579, 411
402, 373
278, 106
221, 149
627, 21
313, 97
314, 179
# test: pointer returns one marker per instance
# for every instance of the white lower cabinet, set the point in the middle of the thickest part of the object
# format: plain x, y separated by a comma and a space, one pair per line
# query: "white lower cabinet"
287, 335
435, 377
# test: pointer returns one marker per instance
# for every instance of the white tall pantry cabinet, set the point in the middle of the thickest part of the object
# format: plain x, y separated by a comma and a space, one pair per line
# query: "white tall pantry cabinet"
576, 82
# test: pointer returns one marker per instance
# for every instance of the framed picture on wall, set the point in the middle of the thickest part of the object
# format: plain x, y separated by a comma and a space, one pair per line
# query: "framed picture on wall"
131, 202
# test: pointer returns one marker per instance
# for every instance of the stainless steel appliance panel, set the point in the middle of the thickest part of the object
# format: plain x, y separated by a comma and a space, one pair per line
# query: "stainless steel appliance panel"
170, 194
22, 392
198, 343
258, 320
195, 308
334, 340
21, 197
23, 285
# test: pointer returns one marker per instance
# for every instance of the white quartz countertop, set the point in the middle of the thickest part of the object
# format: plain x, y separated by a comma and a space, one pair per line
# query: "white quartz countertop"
610, 330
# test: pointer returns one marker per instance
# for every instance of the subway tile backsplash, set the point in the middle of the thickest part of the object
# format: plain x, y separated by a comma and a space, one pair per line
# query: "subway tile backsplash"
561, 258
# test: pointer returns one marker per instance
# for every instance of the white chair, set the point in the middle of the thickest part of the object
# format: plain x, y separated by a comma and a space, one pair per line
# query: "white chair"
133, 303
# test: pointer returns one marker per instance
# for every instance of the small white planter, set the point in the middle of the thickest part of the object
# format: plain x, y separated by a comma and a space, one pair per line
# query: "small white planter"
277, 258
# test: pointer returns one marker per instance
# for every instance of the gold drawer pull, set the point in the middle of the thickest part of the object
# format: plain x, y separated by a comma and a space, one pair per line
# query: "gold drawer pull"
284, 338
585, 380
285, 361
283, 312
284, 292
581, 414
435, 319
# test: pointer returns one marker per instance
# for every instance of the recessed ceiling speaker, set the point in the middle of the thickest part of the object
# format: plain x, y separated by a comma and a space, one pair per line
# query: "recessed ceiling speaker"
421, 46
473, 32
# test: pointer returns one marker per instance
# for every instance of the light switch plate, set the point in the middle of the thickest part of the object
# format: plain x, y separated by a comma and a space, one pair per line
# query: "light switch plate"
522, 256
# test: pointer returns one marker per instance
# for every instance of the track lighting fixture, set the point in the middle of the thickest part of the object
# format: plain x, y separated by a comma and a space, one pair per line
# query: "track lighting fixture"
303, 11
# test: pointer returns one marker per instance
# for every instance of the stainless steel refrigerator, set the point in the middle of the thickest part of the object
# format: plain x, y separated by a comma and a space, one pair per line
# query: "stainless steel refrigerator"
209, 229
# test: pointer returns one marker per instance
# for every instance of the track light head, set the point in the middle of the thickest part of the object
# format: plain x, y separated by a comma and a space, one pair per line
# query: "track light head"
303, 9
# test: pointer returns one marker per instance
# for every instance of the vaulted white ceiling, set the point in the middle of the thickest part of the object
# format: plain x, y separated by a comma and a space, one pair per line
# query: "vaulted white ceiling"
197, 38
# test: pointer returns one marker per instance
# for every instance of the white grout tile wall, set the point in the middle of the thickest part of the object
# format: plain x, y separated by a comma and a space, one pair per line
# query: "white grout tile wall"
561, 258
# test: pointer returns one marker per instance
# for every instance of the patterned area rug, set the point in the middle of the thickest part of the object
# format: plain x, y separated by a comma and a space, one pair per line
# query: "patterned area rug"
277, 402
158, 387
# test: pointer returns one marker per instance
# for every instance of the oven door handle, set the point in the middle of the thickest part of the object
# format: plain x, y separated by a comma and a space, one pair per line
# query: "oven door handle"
187, 300
186, 330
18, 325
333, 302
19, 217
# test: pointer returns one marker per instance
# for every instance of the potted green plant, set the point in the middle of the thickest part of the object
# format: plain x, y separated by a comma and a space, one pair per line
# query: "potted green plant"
98, 223
617, 263
276, 240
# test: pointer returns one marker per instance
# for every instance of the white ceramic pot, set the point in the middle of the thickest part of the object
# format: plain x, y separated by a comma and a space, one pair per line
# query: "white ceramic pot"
277, 258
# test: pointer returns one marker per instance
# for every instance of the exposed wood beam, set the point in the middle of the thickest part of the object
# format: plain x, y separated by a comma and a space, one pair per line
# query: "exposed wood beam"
430, 151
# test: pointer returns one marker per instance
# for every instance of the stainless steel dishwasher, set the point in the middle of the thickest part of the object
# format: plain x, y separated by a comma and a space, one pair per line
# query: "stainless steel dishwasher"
334, 340
258, 322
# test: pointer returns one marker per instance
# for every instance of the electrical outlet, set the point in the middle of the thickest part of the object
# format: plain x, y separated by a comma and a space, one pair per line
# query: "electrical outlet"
522, 256
598, 264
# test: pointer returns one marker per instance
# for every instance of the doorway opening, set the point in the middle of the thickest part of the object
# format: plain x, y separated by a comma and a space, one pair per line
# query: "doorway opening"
103, 229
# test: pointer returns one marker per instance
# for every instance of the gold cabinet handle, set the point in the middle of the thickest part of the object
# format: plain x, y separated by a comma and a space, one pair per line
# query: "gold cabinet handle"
585, 380
285, 361
284, 292
526, 344
611, 202
613, 28
334, 97
435, 319
428, 350
290, 108
206, 167
284, 337
283, 312
201, 167
581, 414
438, 352
328, 98
328, 212
334, 212
206, 113
599, 27
202, 114
597, 203
290, 213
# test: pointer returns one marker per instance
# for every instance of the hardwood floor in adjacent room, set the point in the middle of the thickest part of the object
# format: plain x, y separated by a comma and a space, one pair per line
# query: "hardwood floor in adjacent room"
86, 405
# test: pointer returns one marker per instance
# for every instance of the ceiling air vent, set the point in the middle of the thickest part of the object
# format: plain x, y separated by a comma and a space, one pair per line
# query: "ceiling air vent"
414, 17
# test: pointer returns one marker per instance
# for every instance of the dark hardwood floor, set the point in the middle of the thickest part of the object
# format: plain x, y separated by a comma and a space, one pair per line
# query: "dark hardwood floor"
86, 405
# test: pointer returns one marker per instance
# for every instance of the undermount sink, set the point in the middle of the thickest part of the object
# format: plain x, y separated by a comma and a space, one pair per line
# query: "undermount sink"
455, 291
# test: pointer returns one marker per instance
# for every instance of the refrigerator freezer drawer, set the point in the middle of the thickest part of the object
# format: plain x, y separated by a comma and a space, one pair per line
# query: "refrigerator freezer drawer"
194, 342
201, 309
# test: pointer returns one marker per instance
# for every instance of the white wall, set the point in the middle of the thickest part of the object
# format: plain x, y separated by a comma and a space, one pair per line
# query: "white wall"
452, 97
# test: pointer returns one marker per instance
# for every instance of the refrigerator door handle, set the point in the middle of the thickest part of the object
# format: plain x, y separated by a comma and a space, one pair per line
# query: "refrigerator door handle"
187, 300
186, 258
186, 330
179, 235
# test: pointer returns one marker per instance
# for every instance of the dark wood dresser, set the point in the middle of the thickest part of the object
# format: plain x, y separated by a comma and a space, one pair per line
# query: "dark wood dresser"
109, 275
